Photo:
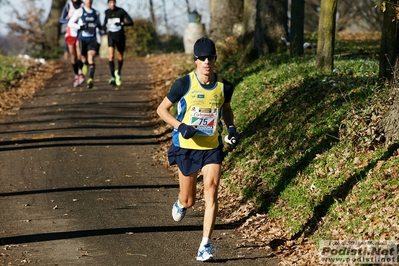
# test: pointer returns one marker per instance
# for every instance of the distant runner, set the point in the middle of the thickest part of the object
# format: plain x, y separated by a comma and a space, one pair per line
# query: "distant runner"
115, 20
86, 21
72, 43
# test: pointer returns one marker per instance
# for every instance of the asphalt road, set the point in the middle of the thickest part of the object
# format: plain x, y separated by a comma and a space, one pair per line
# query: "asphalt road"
80, 185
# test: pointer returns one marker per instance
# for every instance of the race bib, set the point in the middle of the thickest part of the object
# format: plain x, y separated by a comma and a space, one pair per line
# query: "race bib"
111, 24
204, 120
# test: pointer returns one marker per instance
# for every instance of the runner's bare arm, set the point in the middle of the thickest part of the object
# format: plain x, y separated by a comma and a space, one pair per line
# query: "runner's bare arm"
163, 111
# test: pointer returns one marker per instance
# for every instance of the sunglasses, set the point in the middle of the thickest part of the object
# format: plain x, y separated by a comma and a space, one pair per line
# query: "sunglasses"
203, 58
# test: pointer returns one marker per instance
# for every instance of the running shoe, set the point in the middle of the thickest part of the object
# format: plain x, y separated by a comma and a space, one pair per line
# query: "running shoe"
90, 83
112, 81
205, 253
76, 81
81, 78
118, 78
85, 69
177, 212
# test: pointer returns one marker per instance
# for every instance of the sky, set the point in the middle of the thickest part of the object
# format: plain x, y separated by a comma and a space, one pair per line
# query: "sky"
175, 10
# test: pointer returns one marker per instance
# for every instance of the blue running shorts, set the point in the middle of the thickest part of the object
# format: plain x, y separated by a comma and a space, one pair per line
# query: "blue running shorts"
191, 161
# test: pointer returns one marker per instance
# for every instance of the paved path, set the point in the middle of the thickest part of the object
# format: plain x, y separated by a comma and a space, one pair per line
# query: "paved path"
80, 186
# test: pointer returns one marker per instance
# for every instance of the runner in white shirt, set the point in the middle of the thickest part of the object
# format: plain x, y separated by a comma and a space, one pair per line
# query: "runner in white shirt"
86, 21
71, 40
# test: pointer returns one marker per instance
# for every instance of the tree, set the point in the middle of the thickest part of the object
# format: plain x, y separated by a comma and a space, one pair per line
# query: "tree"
297, 26
312, 11
52, 27
366, 9
225, 14
41, 36
247, 35
363, 12
389, 67
389, 40
249, 18
271, 25
29, 27
326, 36
258, 25
152, 12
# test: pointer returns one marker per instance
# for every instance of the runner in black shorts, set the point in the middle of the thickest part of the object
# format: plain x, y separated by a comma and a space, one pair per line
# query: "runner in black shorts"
87, 21
203, 99
115, 20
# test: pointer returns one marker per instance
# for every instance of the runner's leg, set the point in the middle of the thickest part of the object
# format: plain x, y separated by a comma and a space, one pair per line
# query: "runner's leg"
188, 188
211, 174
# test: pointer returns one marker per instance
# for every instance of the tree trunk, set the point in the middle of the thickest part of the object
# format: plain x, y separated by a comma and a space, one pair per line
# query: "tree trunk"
297, 27
271, 25
188, 7
52, 27
152, 13
246, 38
312, 18
225, 15
326, 36
390, 122
389, 41
249, 17
389, 68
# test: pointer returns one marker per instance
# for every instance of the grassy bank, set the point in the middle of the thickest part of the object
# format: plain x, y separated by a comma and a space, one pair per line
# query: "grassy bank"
20, 79
11, 69
311, 158
312, 163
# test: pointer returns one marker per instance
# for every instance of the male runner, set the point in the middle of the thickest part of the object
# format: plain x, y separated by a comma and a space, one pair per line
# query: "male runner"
86, 20
203, 100
115, 20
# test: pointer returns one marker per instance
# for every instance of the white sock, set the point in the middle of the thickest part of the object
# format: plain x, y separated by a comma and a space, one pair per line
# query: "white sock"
179, 204
205, 240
